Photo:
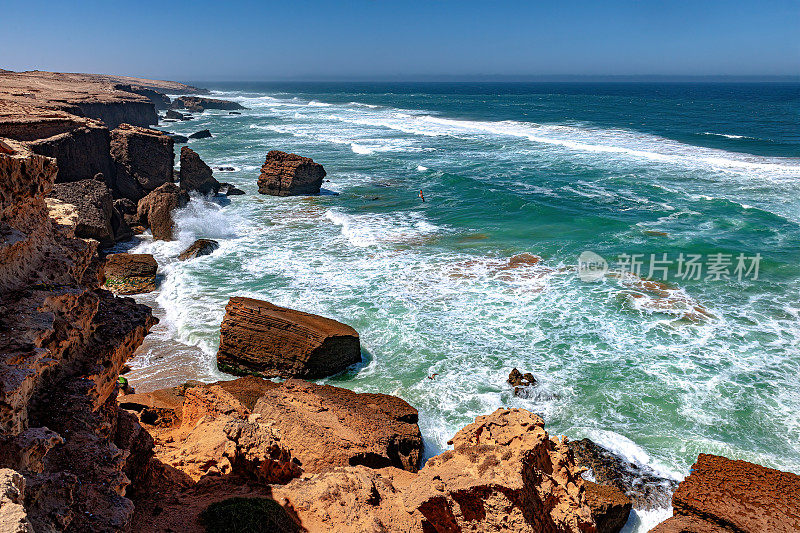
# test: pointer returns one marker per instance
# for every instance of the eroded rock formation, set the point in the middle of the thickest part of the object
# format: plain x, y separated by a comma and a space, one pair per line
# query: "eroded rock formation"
290, 174
155, 210
257, 337
143, 160
63, 342
195, 175
726, 496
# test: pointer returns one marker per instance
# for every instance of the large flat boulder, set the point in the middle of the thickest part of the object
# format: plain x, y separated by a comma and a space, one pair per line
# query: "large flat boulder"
326, 427
143, 160
195, 175
155, 210
290, 174
260, 338
722, 495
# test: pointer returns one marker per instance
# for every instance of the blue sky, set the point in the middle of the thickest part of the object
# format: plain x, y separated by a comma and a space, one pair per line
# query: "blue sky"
314, 39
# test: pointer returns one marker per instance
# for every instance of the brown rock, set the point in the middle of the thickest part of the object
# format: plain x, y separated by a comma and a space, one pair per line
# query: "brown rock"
328, 426
94, 207
155, 210
257, 337
199, 248
610, 507
289, 174
504, 474
130, 273
143, 160
229, 190
195, 175
80, 153
13, 518
722, 495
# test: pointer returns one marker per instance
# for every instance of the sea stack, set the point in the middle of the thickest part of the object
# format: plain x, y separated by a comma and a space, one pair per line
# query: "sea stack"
260, 338
286, 174
195, 175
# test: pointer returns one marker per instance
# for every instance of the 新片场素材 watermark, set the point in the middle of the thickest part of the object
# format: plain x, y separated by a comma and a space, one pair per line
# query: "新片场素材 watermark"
675, 266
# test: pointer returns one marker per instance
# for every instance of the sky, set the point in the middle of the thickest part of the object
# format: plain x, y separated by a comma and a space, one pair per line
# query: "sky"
402, 39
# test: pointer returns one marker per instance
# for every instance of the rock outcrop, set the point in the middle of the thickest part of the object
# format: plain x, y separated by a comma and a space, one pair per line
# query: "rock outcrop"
609, 505
200, 104
143, 161
155, 210
199, 248
285, 174
503, 474
97, 218
229, 190
721, 495
63, 343
326, 426
257, 337
130, 273
81, 153
195, 175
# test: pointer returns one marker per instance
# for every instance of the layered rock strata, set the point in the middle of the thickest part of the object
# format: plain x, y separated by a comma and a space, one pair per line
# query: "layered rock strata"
195, 175
63, 343
260, 338
290, 174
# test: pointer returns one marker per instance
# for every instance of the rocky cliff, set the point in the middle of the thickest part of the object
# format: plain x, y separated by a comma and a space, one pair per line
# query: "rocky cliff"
63, 341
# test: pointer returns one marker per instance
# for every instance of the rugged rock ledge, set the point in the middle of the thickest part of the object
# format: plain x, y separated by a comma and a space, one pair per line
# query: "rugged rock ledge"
63, 342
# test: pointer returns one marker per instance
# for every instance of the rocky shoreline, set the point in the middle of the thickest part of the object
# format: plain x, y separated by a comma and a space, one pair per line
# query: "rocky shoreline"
79, 171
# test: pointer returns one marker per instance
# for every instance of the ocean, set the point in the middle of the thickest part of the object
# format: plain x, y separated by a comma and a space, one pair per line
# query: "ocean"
653, 178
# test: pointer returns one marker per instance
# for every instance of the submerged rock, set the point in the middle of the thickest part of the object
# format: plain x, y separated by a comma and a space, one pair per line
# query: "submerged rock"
199, 248
721, 495
257, 337
130, 273
290, 174
645, 488
155, 210
202, 134
229, 190
195, 175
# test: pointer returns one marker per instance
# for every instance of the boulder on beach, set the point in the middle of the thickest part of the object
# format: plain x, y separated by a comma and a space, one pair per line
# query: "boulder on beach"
286, 174
199, 248
143, 160
155, 210
260, 338
202, 134
130, 273
195, 175
721, 495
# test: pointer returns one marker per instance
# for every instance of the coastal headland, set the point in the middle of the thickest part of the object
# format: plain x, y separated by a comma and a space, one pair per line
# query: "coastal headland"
81, 169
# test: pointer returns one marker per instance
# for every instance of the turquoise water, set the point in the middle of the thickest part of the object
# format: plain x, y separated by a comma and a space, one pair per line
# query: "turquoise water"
551, 170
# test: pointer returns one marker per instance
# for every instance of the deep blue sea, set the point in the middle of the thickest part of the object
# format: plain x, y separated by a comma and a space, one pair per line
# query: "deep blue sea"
695, 183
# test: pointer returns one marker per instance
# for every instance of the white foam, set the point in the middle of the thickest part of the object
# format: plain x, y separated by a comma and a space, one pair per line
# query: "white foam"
420, 168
